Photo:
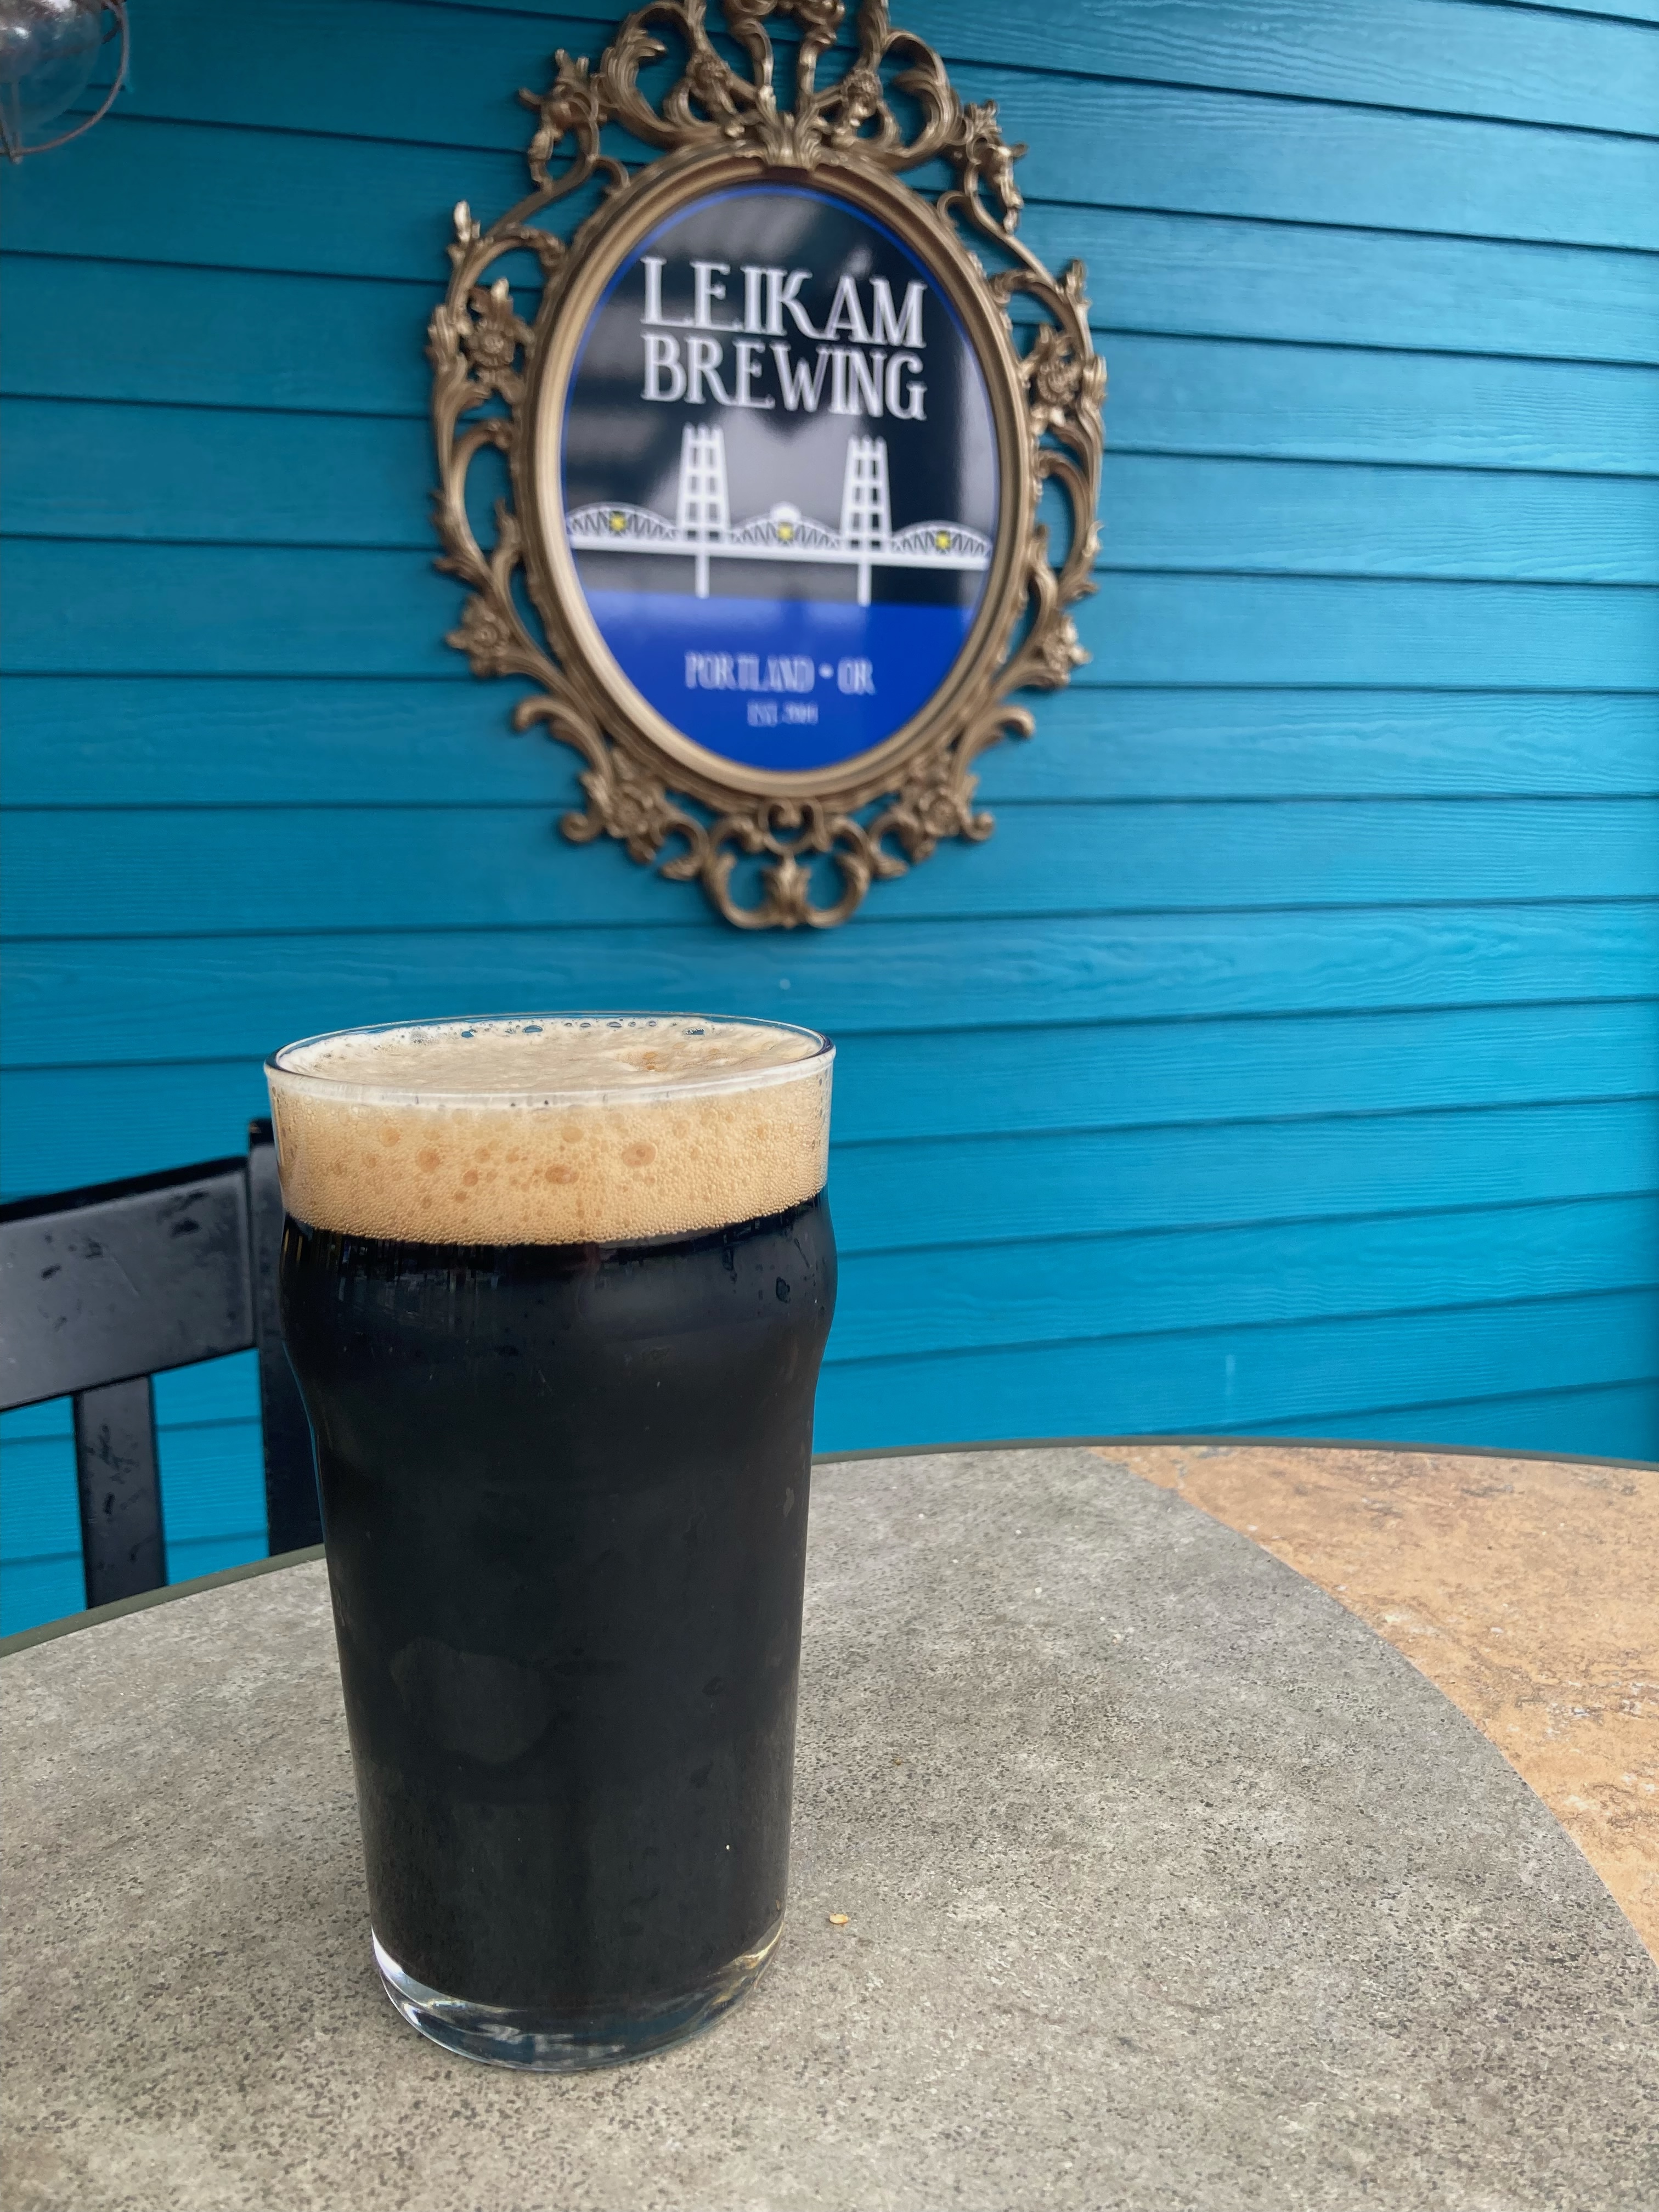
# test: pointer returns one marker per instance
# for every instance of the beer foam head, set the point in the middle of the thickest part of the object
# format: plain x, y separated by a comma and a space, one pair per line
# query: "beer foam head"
550, 1129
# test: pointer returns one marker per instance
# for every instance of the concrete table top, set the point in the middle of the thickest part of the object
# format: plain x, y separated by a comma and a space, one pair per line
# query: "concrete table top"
1166, 1884
1524, 1589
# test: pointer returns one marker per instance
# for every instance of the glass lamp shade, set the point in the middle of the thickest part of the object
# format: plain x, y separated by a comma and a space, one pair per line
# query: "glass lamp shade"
48, 51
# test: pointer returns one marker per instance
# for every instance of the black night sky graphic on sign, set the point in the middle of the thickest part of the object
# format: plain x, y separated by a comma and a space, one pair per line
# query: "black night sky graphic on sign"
780, 478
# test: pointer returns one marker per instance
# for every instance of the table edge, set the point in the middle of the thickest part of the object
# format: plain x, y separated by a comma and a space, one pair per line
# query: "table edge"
71, 1624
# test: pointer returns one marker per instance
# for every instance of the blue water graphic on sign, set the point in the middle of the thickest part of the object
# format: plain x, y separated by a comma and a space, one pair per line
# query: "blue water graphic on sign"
780, 683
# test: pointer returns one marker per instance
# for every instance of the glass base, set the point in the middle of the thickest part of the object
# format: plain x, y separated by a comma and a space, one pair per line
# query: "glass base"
550, 2042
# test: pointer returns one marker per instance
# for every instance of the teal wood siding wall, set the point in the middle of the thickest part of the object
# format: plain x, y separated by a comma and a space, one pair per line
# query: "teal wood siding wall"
1286, 1060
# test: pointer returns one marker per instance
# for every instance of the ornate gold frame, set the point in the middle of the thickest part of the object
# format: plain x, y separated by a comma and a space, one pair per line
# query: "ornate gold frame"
714, 126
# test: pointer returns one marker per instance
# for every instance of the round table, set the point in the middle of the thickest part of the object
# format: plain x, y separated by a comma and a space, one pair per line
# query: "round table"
1165, 1883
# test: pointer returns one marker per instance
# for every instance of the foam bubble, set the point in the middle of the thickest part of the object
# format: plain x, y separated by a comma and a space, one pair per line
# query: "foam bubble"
553, 1129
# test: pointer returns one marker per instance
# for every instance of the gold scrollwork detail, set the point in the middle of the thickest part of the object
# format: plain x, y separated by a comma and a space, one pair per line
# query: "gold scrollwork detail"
693, 815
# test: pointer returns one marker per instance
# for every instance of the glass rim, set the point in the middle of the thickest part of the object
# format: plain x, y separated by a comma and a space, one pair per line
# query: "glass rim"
382, 1094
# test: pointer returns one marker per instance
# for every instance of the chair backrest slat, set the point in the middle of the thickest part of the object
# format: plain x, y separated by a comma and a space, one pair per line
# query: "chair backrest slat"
117, 1473
292, 1512
124, 1279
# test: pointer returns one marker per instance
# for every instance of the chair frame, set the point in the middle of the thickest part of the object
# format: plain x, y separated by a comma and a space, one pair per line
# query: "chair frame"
103, 1288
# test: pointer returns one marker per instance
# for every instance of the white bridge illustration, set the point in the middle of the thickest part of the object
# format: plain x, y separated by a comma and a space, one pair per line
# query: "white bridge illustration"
703, 529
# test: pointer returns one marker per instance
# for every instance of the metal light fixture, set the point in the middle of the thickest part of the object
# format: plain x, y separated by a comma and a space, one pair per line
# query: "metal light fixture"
48, 51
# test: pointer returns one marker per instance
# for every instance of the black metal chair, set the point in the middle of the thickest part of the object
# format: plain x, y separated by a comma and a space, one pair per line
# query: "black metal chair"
102, 1288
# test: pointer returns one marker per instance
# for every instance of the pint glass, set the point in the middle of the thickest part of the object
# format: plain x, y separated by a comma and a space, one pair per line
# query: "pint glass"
555, 1289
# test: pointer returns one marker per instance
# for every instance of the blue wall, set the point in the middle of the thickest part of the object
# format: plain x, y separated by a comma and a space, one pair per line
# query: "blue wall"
1286, 1060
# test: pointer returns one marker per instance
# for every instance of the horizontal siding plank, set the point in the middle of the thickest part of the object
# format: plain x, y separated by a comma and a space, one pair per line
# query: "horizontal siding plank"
279, 611
1288, 518
1206, 278
226, 1389
228, 609
1312, 852
85, 470
1328, 401
1281, 630
133, 193
399, 73
60, 1127
1558, 67
1019, 1082
1644, 11
1618, 1423
1287, 402
72, 1006
115, 873
148, 741
1091, 743
318, 206
1436, 54
143, 741
218, 1554
213, 1390
146, 473
212, 1487
85, 330
965, 1191
1307, 1372
53, 1417
40, 1518
1221, 153
905, 1305
214, 1555
42, 1590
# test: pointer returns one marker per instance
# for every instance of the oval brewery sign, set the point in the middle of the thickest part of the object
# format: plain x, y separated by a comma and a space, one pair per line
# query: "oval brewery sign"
777, 439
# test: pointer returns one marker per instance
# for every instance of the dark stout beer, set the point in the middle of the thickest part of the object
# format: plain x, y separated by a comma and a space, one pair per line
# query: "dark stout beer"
565, 1487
